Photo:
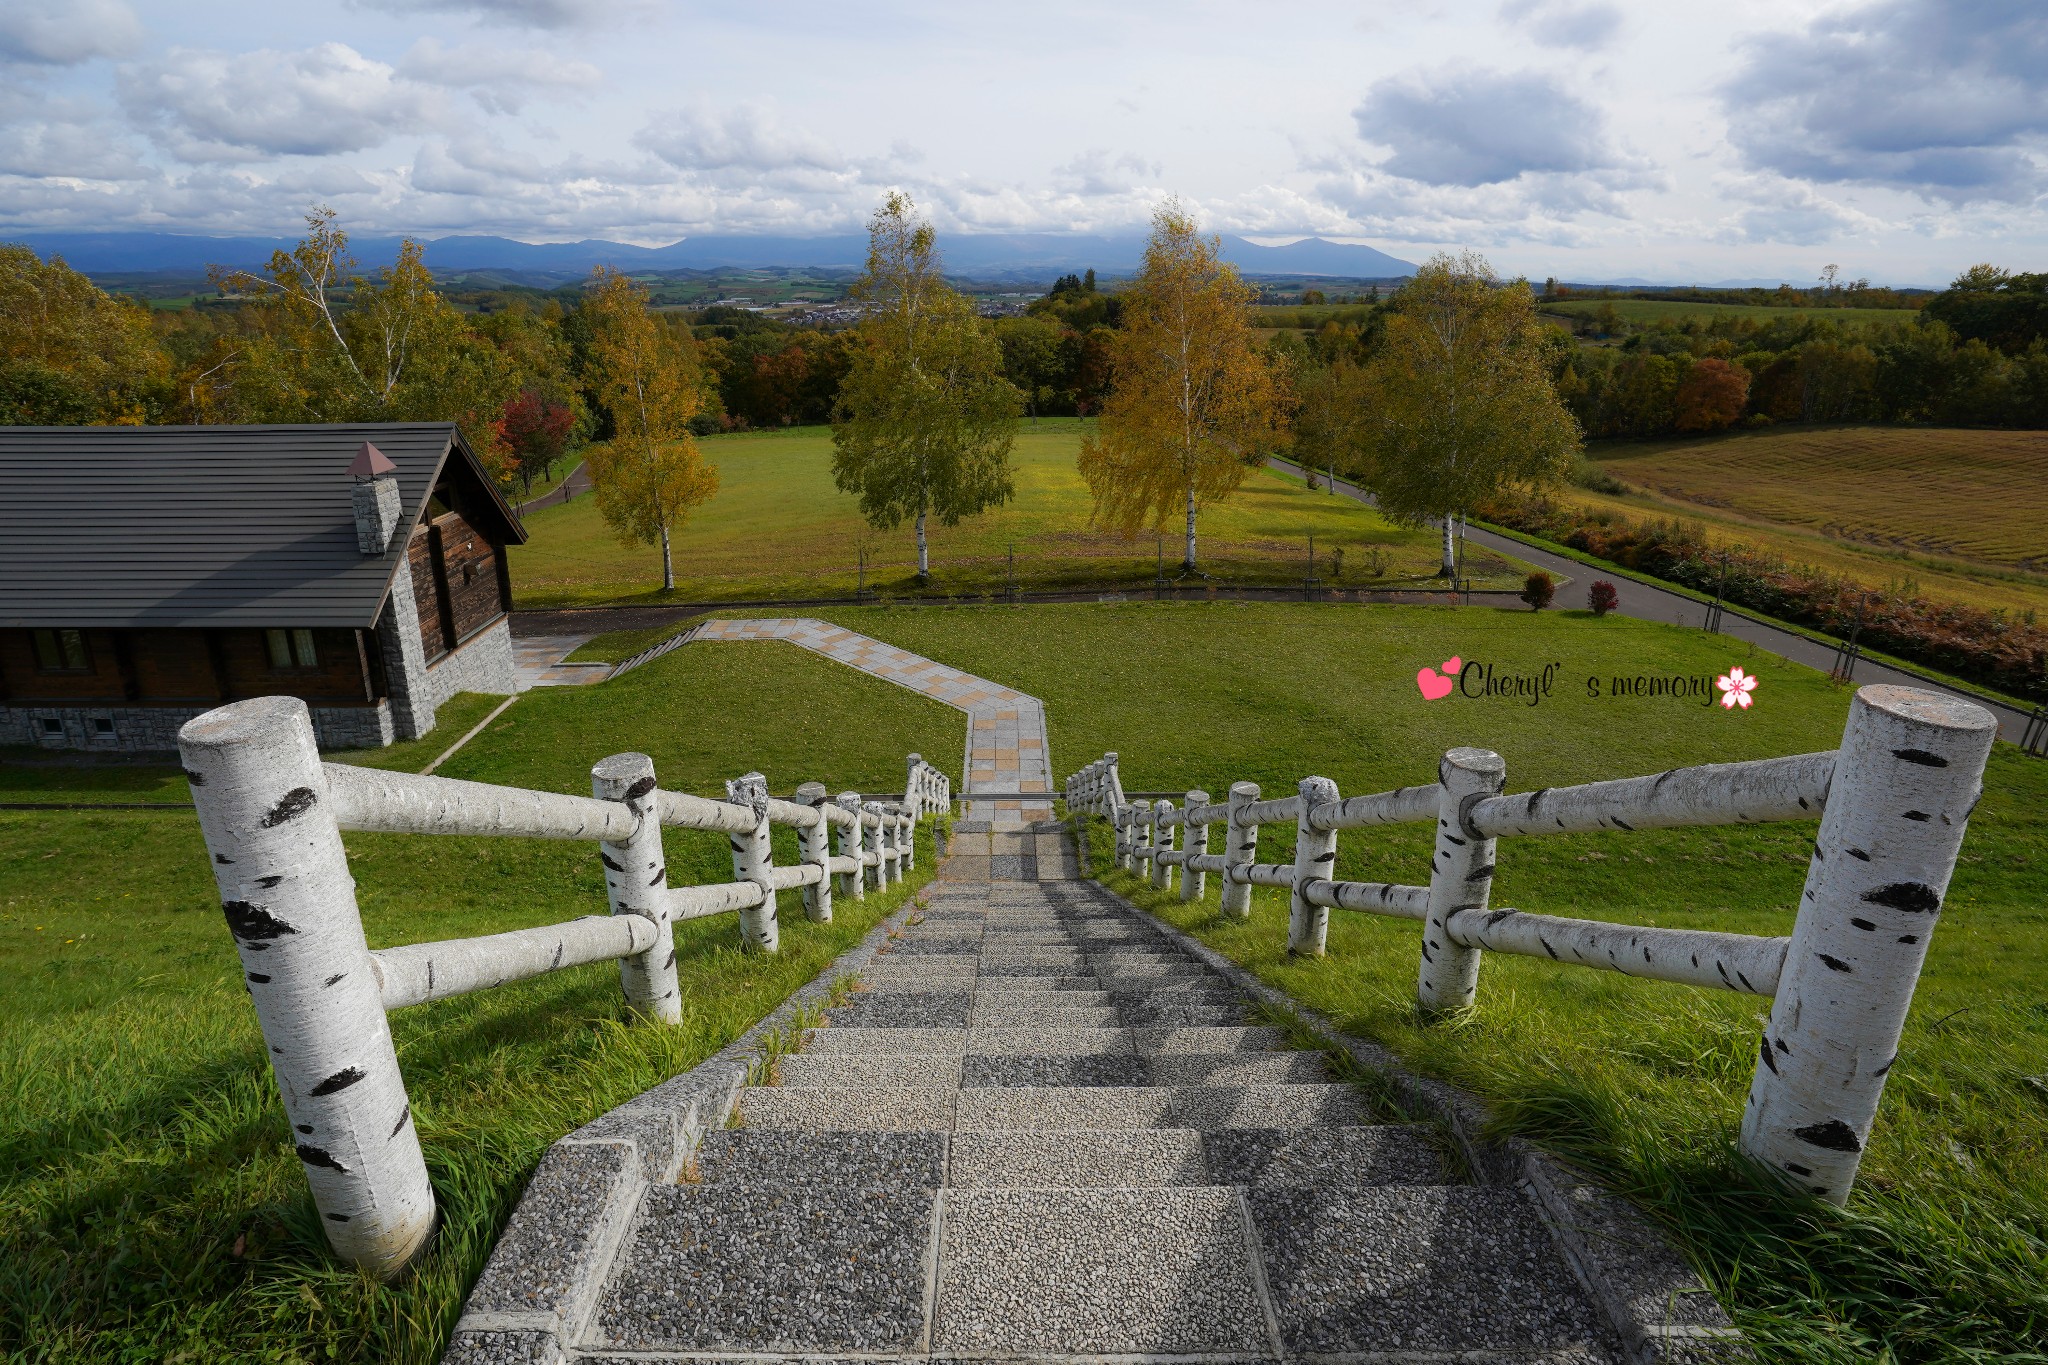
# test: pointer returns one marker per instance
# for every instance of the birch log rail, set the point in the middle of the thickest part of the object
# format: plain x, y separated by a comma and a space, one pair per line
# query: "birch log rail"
1892, 803
272, 814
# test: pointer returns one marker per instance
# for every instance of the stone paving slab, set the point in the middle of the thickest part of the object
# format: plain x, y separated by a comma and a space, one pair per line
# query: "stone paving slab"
1158, 1271
772, 1268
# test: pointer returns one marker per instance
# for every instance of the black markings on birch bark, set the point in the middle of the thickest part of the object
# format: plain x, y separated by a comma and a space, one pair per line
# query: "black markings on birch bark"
1459, 876
1308, 924
854, 883
753, 860
814, 843
1162, 841
260, 796
1858, 943
636, 883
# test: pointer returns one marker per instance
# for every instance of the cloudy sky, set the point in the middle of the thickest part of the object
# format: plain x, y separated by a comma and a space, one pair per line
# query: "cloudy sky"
1901, 139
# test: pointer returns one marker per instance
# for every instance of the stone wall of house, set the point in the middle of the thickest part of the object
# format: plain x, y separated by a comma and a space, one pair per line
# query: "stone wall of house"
154, 729
482, 664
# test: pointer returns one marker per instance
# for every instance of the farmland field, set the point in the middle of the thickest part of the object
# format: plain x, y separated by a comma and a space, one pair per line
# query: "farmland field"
1960, 512
779, 529
1648, 311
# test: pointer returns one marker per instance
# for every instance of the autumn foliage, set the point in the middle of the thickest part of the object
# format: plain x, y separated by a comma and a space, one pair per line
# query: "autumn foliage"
1711, 396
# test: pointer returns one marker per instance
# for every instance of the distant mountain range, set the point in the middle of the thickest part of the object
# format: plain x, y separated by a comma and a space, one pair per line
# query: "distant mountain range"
1031, 255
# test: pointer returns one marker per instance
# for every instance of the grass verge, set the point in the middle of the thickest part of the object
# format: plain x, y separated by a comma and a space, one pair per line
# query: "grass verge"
150, 1205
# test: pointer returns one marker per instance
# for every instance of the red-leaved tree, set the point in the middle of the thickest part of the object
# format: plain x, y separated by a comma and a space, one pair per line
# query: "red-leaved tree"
1711, 396
536, 432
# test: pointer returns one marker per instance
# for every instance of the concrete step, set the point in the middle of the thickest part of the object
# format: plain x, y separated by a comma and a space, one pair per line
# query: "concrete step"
1041, 1016
883, 1108
938, 1042
803, 1070
1122, 1107
998, 1160
843, 1158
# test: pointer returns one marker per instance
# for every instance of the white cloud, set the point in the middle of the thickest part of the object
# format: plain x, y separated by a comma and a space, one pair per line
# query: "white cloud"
215, 106
1097, 172
67, 32
1787, 212
1469, 126
1587, 25
750, 137
1946, 100
546, 14
500, 79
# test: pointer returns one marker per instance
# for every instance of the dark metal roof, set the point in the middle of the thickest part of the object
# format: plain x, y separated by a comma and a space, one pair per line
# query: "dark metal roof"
212, 526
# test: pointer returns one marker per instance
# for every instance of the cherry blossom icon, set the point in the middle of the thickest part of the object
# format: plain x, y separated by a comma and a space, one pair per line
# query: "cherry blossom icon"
1735, 688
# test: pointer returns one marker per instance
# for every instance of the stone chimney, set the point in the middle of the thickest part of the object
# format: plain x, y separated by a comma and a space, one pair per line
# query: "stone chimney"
376, 499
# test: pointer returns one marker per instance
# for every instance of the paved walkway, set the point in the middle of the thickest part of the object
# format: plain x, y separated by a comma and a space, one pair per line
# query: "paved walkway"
1042, 1131
537, 662
1651, 603
1007, 760
576, 485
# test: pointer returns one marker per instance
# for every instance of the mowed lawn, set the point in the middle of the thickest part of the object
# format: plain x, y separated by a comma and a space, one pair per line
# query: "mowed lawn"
1960, 512
779, 529
151, 1207
149, 1203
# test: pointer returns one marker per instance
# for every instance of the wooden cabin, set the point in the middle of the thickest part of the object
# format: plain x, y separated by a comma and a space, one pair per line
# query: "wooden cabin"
148, 574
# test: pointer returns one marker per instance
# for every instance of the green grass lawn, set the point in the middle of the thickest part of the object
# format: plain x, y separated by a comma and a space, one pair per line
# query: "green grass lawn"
142, 1140
150, 1206
1943, 1252
778, 529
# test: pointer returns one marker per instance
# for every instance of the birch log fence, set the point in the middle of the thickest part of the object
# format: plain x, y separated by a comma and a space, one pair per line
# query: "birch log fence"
273, 814
1892, 804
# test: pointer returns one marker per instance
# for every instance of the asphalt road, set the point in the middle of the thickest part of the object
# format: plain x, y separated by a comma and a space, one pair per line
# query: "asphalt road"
1651, 603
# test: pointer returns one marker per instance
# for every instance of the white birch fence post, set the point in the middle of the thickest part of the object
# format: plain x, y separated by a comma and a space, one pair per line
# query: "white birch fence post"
881, 829
1142, 836
753, 860
1124, 819
1460, 878
1240, 849
636, 883
1315, 857
906, 843
854, 883
290, 904
1162, 840
1910, 771
814, 846
1196, 842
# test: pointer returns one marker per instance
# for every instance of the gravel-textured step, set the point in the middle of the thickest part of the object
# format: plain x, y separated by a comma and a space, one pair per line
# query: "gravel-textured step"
802, 1070
837, 1158
1200, 1107
895, 1109
1041, 1016
1209, 1038
1019, 1041
1151, 1156
1157, 1271
948, 1042
1121, 1069
1325, 1157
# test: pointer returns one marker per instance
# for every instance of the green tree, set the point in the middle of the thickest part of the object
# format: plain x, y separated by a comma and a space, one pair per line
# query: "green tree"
925, 419
1462, 406
650, 475
330, 345
71, 354
1035, 358
1193, 400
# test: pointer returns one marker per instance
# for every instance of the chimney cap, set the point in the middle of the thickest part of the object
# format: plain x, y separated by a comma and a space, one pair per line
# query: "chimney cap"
371, 463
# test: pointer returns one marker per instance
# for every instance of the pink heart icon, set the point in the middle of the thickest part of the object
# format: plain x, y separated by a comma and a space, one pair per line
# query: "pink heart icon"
1432, 685
1452, 665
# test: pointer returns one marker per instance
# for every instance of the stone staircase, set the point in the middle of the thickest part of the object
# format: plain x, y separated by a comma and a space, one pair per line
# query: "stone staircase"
1040, 1129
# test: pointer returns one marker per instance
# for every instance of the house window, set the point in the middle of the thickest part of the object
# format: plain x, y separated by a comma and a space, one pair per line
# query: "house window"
52, 725
62, 651
103, 725
291, 648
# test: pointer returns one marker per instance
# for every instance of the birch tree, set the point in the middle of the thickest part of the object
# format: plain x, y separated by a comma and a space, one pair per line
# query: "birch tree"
1461, 406
1192, 400
925, 418
650, 475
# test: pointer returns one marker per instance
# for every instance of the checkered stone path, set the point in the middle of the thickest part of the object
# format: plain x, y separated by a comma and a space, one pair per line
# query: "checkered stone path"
1006, 749
1042, 1131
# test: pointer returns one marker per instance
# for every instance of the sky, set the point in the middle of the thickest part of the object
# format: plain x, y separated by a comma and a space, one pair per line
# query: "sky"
1902, 140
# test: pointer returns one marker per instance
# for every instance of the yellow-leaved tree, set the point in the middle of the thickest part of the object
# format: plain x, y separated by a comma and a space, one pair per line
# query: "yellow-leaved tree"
1193, 401
1459, 401
651, 474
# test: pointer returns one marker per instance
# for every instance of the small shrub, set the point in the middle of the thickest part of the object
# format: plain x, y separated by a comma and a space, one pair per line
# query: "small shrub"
1538, 589
1588, 475
1602, 598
